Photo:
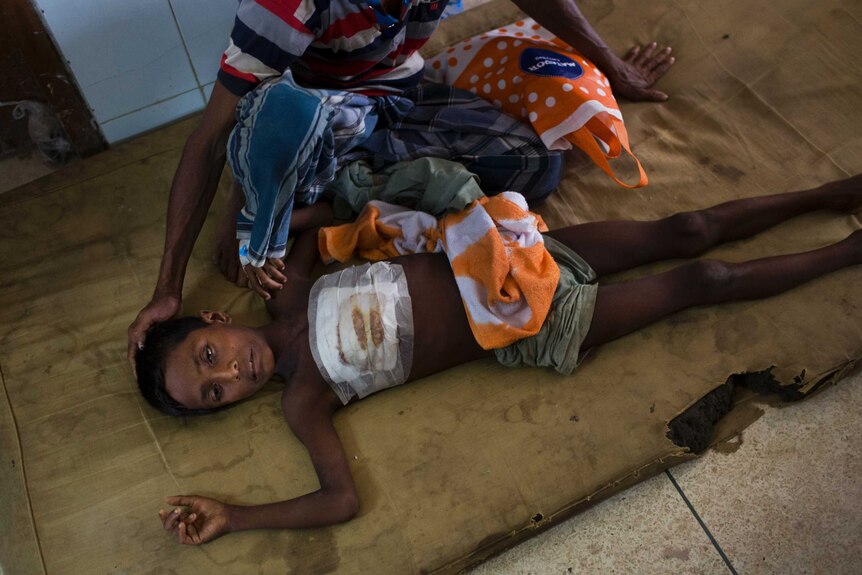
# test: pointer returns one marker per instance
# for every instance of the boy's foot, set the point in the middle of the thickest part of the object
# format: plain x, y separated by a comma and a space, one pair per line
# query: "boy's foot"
845, 195
855, 240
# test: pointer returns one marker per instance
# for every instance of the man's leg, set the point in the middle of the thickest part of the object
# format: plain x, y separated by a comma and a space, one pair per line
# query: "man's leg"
226, 250
454, 124
620, 245
626, 307
283, 150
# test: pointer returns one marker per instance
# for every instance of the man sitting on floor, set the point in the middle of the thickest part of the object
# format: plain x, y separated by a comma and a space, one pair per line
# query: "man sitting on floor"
319, 82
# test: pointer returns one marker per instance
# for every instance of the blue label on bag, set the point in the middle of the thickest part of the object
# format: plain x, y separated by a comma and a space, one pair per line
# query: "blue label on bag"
547, 63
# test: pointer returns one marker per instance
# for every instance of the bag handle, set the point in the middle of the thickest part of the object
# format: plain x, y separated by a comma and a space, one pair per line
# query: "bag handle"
585, 139
600, 130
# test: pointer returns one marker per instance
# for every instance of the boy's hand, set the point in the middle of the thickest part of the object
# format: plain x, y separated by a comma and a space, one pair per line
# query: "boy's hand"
267, 278
202, 520
160, 308
636, 74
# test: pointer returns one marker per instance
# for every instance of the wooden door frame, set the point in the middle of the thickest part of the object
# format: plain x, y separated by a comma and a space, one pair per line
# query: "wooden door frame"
24, 34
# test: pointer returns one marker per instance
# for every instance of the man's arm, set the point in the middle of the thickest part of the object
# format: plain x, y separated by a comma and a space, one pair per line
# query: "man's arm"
631, 78
336, 500
191, 195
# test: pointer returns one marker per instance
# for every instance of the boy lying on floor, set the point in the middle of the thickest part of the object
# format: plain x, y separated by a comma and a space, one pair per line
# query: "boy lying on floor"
355, 332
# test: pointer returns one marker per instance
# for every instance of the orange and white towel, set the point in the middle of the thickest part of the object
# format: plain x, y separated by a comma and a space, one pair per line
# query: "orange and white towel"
505, 275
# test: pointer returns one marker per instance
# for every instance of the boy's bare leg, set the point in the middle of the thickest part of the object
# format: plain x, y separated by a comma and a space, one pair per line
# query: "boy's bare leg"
626, 307
620, 245
226, 249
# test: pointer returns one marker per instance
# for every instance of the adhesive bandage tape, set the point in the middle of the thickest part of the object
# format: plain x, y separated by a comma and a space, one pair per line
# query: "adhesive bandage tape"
361, 329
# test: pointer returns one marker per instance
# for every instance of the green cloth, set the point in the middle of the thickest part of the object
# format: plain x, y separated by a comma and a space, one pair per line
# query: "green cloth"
430, 185
558, 342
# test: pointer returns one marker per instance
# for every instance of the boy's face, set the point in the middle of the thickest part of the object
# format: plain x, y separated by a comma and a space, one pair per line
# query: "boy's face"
218, 365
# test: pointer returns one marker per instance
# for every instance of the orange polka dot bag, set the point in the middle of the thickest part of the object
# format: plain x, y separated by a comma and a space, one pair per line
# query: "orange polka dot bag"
530, 73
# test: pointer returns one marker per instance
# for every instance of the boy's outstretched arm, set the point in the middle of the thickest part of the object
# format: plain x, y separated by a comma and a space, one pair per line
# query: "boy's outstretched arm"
631, 78
205, 519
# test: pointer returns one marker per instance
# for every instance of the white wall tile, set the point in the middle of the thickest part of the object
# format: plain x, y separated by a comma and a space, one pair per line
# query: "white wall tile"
205, 26
208, 91
125, 54
153, 116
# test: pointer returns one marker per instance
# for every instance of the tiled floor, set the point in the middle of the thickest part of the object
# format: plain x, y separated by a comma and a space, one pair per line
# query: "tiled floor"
788, 501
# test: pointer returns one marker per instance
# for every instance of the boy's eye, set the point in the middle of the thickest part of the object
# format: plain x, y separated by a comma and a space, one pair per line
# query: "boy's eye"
208, 354
216, 392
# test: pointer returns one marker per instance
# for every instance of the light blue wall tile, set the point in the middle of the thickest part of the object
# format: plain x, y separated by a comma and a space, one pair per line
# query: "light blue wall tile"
205, 26
125, 54
208, 91
153, 116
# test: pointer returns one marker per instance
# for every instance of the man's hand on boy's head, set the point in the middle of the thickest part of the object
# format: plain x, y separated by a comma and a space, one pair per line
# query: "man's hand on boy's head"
267, 278
195, 520
161, 308
634, 76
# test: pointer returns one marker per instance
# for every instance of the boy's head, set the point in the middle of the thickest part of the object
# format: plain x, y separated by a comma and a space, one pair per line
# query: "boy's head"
197, 365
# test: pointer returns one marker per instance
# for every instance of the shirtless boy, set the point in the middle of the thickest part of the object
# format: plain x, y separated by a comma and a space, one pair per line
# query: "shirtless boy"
192, 365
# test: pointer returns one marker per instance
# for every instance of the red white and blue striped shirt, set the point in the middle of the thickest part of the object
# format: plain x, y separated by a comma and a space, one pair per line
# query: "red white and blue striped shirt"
332, 44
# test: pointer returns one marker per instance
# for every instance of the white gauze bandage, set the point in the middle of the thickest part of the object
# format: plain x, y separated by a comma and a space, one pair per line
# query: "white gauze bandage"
361, 329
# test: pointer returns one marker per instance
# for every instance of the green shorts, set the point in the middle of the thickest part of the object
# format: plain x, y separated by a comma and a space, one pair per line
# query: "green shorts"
558, 343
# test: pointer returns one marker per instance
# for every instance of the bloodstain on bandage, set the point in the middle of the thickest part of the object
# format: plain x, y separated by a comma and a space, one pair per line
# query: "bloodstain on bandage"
359, 328
366, 324
377, 332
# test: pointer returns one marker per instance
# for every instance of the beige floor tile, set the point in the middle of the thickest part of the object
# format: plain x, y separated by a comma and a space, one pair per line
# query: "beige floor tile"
646, 529
789, 500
